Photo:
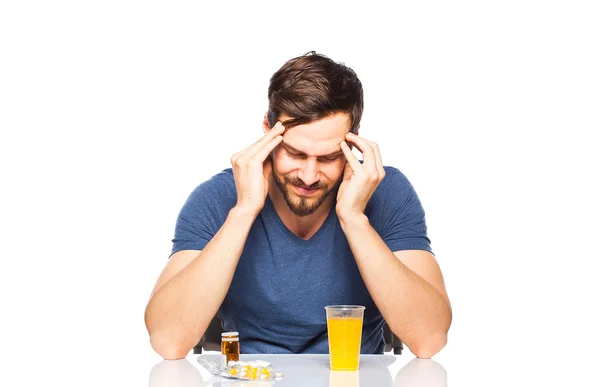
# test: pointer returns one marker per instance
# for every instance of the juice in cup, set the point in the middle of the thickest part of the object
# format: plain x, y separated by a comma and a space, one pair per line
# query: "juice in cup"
344, 328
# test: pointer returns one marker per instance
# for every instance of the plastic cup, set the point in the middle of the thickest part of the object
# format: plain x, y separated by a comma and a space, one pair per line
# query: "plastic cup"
344, 330
344, 379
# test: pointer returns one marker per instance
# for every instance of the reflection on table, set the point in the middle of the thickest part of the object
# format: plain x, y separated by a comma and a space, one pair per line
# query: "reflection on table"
421, 373
306, 370
175, 373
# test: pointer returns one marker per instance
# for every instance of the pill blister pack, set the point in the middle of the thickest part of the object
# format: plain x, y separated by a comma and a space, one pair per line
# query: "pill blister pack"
244, 370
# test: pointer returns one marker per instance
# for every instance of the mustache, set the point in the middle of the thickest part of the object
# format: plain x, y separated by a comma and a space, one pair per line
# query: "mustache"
299, 183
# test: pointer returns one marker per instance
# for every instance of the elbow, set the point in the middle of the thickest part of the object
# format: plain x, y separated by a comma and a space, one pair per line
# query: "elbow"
432, 342
168, 349
427, 348
165, 343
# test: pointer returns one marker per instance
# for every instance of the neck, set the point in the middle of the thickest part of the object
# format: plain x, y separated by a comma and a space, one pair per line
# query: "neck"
302, 226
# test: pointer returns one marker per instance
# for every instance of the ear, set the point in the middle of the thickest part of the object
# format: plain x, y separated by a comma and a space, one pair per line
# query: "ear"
265, 123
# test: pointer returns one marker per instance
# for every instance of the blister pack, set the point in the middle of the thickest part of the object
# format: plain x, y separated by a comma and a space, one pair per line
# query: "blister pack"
244, 370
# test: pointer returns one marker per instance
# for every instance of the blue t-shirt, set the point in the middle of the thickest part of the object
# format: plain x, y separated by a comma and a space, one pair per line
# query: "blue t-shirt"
282, 282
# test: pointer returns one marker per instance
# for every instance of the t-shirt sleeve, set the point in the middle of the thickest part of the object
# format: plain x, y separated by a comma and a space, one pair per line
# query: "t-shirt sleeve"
396, 213
204, 212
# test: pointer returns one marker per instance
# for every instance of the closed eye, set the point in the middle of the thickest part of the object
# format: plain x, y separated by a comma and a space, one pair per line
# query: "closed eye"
295, 155
328, 159
323, 159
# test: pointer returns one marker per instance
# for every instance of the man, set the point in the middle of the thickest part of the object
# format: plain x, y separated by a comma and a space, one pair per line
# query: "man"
299, 223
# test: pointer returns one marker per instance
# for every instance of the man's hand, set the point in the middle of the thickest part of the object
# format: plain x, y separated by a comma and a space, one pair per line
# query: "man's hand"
252, 169
360, 180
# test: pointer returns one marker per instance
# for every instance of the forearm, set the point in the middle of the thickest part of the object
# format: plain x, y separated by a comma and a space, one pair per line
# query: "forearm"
415, 311
179, 312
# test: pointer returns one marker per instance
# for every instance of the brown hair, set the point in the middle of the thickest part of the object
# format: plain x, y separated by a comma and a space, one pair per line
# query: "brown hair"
311, 87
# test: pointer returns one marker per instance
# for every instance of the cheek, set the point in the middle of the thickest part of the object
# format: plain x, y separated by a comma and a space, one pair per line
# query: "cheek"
282, 165
333, 171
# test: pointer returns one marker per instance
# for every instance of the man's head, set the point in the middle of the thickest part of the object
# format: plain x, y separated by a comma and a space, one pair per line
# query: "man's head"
312, 86
322, 101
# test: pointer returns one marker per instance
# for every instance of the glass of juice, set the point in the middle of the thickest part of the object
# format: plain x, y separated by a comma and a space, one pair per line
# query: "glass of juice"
344, 329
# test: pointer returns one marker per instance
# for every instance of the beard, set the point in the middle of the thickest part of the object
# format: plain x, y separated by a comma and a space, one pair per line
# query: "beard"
303, 206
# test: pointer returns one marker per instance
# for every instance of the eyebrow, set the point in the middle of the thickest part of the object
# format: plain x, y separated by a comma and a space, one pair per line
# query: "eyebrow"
291, 148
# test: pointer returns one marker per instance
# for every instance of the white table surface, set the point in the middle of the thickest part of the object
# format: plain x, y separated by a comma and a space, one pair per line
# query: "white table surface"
307, 370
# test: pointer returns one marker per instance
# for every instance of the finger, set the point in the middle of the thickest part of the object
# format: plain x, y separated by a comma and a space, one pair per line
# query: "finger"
377, 158
275, 131
352, 160
370, 162
268, 148
264, 140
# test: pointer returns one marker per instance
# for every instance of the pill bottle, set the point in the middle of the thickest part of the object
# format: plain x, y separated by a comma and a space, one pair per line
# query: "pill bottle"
230, 346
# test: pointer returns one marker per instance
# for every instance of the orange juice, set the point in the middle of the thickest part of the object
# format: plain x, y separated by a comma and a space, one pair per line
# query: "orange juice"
344, 342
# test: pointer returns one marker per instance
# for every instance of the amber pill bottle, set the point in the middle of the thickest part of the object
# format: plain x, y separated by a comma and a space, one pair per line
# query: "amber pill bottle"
230, 346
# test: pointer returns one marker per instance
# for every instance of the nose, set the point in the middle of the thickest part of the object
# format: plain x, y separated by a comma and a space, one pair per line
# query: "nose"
309, 173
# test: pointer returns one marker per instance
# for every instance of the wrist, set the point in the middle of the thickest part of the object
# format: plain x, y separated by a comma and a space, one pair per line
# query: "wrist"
241, 213
352, 219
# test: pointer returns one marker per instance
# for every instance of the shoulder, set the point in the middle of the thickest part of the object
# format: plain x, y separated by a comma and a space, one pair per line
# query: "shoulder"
219, 183
396, 213
219, 190
394, 181
204, 212
393, 193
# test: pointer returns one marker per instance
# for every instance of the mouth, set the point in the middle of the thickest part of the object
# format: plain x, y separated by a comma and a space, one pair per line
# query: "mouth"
305, 191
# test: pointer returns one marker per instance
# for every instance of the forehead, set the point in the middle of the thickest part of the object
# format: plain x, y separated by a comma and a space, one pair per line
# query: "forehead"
319, 137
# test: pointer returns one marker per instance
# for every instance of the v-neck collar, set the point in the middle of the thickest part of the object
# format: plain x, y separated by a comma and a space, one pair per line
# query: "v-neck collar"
273, 210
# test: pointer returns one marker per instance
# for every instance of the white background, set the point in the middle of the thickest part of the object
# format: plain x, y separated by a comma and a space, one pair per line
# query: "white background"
112, 112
